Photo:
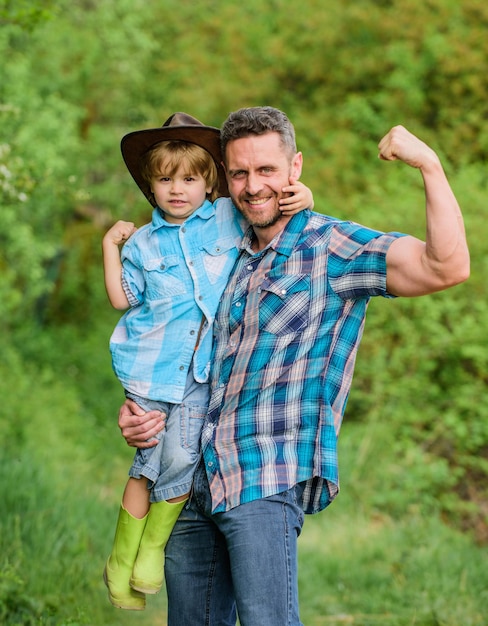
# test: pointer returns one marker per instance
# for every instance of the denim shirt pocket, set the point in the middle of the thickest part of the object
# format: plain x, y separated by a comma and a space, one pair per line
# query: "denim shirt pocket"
163, 277
285, 304
219, 257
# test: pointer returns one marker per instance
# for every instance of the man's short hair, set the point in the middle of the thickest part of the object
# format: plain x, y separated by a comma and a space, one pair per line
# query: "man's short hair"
258, 121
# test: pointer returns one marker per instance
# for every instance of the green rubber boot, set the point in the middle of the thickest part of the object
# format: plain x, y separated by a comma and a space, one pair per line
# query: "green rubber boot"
119, 565
148, 571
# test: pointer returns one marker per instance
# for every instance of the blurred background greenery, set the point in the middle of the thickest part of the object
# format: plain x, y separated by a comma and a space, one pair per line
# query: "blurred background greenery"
406, 542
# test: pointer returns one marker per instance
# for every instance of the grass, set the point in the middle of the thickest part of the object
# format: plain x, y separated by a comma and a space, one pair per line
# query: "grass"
359, 565
366, 560
376, 571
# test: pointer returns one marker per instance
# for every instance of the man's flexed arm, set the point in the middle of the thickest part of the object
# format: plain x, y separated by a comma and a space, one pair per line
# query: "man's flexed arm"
415, 267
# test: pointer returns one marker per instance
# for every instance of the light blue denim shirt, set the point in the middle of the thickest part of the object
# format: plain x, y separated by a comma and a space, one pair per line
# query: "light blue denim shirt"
173, 276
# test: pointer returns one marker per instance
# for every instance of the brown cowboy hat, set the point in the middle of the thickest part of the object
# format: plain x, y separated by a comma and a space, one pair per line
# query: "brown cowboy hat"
178, 127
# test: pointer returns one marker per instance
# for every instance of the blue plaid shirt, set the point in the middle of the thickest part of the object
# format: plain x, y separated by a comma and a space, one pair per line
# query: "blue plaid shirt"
173, 276
286, 336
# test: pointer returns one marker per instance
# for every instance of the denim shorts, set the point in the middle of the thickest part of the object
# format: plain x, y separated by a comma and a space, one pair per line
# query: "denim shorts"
169, 466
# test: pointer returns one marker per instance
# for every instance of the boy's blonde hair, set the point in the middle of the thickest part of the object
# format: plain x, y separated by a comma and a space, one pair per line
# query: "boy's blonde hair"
170, 155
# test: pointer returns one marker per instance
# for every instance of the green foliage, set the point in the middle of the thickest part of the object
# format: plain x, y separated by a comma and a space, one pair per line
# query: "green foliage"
25, 13
77, 76
37, 188
62, 478
370, 571
368, 563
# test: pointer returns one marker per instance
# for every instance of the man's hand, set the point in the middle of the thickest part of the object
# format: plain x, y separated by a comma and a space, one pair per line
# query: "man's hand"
138, 427
400, 144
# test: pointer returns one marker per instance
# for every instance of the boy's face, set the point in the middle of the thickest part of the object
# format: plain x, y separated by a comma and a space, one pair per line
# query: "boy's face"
180, 194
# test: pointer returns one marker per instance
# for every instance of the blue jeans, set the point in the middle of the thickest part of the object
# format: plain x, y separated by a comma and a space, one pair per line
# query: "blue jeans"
243, 561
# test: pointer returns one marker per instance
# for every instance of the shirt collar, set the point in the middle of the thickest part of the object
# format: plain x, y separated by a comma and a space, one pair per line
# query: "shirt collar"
285, 241
205, 212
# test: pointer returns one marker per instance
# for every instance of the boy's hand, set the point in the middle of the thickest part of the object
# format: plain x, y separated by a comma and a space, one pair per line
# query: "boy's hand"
119, 232
297, 198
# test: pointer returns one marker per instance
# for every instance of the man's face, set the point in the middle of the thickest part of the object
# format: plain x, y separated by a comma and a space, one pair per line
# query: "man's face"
257, 168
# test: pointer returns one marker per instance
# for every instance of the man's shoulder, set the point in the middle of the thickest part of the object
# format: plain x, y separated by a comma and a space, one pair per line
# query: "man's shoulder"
332, 233
321, 219
319, 227
321, 223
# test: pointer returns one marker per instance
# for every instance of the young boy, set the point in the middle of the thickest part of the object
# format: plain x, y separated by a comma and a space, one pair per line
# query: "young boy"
170, 275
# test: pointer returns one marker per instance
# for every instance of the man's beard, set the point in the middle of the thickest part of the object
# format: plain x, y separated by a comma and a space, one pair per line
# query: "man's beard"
271, 217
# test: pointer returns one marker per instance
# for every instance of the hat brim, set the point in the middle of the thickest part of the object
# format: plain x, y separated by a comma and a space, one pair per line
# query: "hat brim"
135, 144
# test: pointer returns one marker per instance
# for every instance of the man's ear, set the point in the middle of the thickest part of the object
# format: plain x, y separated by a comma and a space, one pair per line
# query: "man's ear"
296, 165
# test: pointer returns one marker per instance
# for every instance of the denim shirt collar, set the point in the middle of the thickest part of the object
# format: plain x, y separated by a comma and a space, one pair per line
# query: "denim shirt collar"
205, 212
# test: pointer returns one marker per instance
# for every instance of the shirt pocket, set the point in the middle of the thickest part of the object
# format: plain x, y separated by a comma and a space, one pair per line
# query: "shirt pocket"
218, 258
284, 306
192, 416
163, 277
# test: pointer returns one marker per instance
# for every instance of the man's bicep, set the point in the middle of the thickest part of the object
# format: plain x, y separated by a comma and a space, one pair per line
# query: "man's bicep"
406, 271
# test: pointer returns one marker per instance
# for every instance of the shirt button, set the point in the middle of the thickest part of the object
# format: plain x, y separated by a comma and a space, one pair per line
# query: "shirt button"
238, 303
283, 291
163, 266
183, 230
182, 367
249, 267
192, 332
210, 464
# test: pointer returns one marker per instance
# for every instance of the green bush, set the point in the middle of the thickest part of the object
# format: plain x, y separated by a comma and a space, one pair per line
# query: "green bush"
76, 77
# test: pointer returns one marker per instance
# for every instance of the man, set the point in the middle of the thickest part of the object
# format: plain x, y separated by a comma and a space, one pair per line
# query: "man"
286, 336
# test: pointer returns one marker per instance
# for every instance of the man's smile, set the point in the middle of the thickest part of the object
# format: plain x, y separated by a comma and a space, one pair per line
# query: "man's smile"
257, 201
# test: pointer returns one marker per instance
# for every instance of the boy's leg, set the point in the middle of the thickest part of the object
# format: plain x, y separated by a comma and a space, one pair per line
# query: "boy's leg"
136, 497
132, 521
130, 528
148, 571
179, 453
169, 493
